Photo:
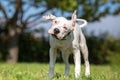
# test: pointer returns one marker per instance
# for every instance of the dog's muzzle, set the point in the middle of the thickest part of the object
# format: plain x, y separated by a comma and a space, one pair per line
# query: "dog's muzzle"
64, 38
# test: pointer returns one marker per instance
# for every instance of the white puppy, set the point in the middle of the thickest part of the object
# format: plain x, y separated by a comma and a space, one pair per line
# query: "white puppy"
66, 35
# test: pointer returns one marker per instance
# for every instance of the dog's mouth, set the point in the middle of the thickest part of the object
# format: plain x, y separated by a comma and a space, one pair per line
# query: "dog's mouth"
55, 36
63, 38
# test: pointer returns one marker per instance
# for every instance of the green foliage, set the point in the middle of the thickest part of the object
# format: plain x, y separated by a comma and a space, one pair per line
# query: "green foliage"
103, 49
68, 5
33, 49
35, 71
83, 7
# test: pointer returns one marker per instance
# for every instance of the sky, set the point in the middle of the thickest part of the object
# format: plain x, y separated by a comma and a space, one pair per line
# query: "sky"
109, 23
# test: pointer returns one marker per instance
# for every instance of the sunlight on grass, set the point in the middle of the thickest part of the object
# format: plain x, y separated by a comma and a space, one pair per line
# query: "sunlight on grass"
38, 71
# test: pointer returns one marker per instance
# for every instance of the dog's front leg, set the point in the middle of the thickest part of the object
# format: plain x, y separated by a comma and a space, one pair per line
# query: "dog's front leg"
52, 55
65, 56
77, 62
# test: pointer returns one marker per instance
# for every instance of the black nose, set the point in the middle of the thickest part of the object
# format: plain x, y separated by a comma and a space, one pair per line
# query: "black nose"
56, 30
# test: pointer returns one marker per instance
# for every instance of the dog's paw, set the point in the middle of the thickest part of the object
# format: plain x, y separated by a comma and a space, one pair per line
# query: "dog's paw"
87, 74
77, 74
50, 75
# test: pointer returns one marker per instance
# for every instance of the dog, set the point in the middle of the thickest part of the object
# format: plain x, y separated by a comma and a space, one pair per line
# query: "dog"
66, 35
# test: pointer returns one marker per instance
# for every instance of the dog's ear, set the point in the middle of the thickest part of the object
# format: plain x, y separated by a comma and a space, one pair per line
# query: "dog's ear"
74, 16
50, 31
49, 16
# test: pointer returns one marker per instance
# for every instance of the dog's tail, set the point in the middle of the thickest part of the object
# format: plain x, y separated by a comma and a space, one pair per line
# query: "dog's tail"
84, 22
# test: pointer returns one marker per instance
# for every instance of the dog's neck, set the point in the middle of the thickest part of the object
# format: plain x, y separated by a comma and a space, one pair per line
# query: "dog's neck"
65, 37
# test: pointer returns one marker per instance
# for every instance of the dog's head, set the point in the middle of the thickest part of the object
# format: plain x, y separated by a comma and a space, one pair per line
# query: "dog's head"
61, 27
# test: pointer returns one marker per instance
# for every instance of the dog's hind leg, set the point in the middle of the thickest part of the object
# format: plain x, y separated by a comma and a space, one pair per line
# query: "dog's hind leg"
84, 51
52, 54
65, 56
77, 61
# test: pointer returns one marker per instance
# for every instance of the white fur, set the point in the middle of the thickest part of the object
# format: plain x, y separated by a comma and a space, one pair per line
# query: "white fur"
84, 24
73, 43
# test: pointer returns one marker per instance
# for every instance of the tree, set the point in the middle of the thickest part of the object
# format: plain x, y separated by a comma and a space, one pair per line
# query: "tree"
14, 13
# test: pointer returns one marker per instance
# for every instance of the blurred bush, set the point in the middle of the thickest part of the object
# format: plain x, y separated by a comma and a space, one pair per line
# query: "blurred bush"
103, 49
33, 49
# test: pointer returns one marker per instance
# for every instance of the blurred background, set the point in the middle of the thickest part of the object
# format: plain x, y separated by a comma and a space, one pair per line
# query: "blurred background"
24, 37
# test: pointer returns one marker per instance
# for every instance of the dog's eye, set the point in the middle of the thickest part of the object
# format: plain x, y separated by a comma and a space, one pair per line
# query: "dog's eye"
55, 21
65, 28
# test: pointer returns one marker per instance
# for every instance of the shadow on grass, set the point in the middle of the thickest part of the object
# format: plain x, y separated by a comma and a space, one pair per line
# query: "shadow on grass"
86, 78
59, 76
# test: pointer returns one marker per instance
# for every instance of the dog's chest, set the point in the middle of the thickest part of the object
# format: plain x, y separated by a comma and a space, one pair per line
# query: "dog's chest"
62, 44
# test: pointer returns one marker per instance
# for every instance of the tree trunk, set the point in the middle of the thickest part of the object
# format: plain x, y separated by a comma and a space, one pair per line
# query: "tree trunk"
13, 48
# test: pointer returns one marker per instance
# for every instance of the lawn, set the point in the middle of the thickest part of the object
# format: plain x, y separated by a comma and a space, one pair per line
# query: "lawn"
38, 71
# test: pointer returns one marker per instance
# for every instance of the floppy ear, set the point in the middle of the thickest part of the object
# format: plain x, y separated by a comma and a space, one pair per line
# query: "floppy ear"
49, 16
74, 16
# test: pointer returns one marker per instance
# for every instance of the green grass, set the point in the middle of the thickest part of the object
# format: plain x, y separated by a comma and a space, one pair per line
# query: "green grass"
38, 71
